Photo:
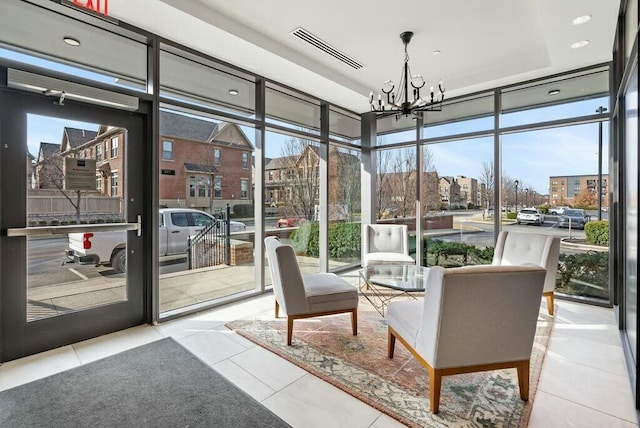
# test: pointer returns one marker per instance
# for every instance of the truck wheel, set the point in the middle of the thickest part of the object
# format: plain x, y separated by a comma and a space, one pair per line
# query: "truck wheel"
119, 261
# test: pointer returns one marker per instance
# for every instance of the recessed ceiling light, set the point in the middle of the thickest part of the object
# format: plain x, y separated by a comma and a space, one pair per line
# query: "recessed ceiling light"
580, 44
554, 92
436, 52
71, 41
581, 20
233, 92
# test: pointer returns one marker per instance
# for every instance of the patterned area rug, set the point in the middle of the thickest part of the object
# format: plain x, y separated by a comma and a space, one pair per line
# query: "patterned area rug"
398, 387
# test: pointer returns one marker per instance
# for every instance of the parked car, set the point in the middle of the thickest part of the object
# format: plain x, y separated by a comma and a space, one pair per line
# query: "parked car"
289, 222
575, 217
530, 216
557, 210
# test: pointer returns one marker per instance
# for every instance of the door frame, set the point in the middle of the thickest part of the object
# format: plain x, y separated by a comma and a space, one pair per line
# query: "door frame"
19, 338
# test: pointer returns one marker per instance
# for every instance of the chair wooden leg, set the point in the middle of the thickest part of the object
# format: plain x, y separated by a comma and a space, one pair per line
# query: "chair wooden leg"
354, 322
523, 379
391, 343
289, 330
550, 303
277, 308
435, 381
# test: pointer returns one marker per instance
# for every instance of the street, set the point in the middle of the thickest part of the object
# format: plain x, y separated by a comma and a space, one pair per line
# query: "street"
47, 264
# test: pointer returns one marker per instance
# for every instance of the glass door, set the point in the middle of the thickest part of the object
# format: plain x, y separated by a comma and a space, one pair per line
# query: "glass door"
70, 214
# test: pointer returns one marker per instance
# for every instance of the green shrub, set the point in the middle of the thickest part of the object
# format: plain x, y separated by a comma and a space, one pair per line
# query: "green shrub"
305, 240
64, 223
32, 223
73, 222
449, 254
584, 274
344, 240
43, 223
512, 216
543, 208
597, 232
100, 221
54, 222
243, 210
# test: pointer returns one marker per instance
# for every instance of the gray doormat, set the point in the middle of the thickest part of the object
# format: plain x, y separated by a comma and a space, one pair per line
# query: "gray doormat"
160, 384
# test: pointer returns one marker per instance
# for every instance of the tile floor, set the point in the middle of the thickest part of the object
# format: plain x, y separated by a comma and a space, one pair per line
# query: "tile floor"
583, 381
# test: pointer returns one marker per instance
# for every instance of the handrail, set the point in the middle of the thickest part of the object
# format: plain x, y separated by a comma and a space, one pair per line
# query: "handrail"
73, 228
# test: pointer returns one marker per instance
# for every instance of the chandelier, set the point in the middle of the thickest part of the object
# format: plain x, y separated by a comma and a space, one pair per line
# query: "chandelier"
397, 102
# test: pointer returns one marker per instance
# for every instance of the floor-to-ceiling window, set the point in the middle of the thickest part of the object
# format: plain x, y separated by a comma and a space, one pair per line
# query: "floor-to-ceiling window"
205, 155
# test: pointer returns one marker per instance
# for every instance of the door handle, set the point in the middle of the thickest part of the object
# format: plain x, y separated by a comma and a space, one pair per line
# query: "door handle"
175, 231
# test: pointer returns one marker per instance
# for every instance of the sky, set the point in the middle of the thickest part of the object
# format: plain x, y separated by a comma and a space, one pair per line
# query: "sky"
531, 157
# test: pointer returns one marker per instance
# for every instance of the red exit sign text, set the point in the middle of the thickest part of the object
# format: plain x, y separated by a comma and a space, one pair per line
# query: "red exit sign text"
97, 6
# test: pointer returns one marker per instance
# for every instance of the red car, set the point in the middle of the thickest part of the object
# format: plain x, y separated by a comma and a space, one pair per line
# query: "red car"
288, 222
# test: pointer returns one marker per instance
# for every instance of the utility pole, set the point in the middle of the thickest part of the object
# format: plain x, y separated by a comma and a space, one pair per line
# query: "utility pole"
599, 187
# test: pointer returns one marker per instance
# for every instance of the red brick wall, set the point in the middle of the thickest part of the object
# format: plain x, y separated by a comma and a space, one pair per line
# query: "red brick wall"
176, 186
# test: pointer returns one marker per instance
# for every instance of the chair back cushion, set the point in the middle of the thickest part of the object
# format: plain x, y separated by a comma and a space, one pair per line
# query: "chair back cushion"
480, 314
385, 238
287, 279
516, 248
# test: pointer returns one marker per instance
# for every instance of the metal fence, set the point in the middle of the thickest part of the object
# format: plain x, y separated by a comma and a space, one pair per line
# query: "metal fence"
212, 245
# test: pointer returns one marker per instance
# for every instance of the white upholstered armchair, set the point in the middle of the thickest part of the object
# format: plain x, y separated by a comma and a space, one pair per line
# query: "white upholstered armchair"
472, 318
517, 248
309, 295
385, 244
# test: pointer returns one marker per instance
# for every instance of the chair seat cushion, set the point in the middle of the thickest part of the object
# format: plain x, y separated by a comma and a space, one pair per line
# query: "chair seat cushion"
383, 258
329, 292
405, 318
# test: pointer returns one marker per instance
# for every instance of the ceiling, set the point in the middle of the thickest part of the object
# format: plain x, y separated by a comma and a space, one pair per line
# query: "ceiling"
482, 44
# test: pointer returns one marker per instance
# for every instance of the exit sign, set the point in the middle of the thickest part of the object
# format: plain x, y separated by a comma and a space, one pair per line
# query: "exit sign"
96, 6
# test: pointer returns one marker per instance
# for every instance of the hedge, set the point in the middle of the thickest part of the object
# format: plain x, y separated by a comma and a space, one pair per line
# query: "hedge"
344, 240
597, 232
584, 274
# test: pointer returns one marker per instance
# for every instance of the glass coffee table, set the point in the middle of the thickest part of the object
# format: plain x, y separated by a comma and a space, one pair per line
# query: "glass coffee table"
382, 283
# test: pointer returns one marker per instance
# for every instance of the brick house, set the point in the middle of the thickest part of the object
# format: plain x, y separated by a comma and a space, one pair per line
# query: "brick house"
107, 147
292, 183
203, 164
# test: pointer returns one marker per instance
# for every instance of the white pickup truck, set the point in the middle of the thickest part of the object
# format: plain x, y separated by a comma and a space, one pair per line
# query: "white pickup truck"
109, 248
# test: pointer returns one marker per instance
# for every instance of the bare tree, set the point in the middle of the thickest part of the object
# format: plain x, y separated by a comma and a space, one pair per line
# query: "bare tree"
301, 168
487, 179
51, 176
345, 179
431, 200
404, 182
383, 185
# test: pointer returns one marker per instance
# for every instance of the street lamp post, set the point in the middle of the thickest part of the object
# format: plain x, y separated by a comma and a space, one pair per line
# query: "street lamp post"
599, 187
526, 197
515, 183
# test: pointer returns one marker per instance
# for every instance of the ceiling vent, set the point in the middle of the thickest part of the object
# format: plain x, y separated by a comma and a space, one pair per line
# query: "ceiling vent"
316, 42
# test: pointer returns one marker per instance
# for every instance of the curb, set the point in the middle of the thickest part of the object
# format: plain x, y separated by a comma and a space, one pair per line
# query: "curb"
564, 243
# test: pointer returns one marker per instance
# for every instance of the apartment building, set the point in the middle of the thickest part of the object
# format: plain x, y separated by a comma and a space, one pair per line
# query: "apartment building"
578, 190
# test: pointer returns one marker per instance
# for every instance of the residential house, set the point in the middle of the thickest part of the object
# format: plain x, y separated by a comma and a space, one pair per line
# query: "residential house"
470, 195
48, 167
450, 193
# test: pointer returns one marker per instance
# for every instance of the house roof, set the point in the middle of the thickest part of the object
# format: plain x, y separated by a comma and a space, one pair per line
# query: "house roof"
47, 150
76, 137
185, 127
